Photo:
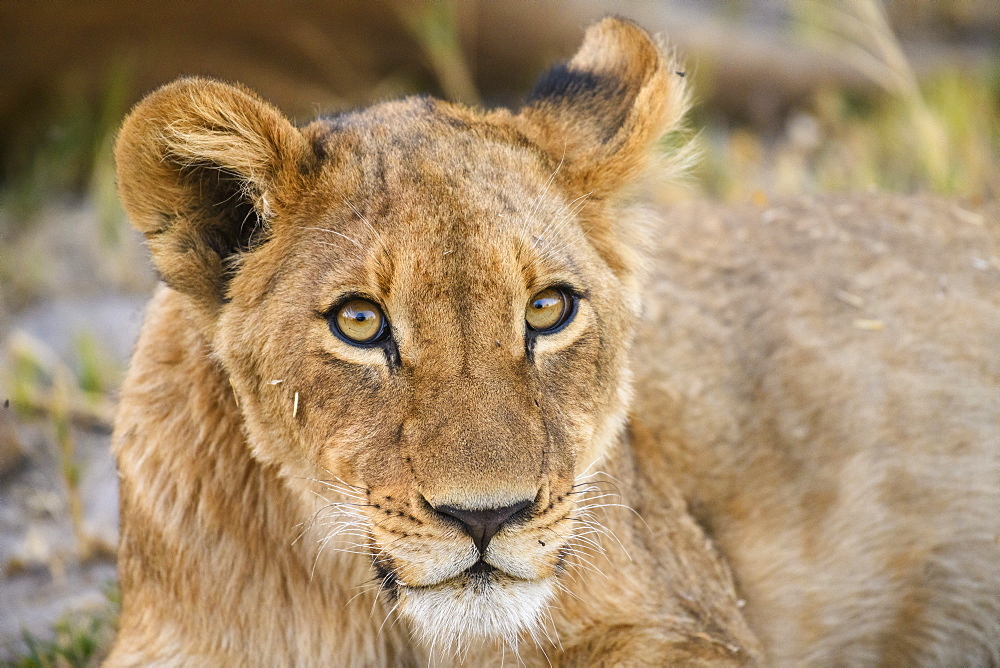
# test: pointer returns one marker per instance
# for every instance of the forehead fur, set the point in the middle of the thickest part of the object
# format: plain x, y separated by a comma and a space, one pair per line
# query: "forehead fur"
455, 158
422, 173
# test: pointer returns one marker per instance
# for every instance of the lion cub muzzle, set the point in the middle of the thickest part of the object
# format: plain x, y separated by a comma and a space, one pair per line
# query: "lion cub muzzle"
495, 565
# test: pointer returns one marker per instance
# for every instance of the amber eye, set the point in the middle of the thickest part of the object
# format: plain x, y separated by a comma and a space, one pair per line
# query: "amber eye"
359, 321
548, 310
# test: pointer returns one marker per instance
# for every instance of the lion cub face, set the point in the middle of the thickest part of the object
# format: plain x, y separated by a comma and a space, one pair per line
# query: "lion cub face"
456, 365
424, 310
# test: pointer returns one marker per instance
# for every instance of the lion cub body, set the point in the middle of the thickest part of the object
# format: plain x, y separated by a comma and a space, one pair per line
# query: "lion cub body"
821, 379
290, 497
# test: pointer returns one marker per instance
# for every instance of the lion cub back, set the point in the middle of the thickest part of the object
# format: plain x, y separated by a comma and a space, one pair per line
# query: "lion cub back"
822, 378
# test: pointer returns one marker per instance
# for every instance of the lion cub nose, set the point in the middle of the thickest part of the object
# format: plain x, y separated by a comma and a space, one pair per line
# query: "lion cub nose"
482, 525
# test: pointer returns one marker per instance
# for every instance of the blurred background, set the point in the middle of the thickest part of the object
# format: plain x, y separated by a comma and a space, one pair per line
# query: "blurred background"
792, 96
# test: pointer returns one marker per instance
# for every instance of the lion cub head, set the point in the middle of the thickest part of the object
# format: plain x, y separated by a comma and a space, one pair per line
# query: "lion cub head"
424, 309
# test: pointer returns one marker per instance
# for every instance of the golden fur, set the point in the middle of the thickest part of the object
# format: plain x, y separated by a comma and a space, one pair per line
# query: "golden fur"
282, 489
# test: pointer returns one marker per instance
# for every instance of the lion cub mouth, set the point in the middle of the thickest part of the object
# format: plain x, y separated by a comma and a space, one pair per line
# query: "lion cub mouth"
480, 568
481, 604
480, 574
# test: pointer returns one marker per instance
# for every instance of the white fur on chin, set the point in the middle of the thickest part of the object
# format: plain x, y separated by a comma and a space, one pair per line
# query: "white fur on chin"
454, 615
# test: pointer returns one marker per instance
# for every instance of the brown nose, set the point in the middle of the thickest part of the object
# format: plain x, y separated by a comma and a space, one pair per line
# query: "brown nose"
482, 525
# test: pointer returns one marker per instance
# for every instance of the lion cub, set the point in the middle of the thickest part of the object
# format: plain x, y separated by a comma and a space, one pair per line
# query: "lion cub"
408, 396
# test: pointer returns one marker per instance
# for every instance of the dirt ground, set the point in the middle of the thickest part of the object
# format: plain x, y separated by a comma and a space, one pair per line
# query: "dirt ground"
53, 568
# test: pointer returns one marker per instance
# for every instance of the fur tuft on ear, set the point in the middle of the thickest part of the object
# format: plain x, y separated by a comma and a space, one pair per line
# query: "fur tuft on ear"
199, 164
601, 112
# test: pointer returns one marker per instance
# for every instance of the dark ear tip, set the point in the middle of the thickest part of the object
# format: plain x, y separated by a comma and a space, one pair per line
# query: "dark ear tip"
605, 107
616, 55
564, 81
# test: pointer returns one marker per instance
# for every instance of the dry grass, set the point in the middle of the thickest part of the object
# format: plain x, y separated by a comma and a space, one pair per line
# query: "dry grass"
941, 134
77, 640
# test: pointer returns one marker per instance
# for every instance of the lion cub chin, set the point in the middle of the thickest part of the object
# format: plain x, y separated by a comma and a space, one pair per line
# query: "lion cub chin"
473, 610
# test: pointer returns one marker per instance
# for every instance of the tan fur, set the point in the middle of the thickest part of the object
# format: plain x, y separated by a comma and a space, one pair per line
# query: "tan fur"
826, 391
279, 484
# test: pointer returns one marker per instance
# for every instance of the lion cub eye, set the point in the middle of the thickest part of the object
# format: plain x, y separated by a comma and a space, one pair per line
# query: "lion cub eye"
549, 310
359, 321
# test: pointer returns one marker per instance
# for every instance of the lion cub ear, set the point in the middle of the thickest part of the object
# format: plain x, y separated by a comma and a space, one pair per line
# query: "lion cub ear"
601, 112
200, 164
